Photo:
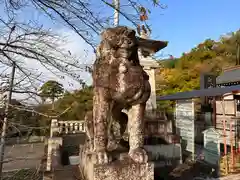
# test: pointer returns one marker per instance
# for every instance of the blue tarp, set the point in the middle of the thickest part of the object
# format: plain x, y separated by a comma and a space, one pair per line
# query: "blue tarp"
211, 92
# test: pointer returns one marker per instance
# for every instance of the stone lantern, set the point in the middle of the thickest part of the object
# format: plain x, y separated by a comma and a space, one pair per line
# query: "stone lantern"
150, 65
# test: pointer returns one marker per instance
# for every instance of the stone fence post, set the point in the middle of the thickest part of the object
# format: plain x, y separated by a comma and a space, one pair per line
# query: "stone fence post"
53, 153
54, 127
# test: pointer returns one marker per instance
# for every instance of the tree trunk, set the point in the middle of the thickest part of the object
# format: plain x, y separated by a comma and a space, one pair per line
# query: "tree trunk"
53, 107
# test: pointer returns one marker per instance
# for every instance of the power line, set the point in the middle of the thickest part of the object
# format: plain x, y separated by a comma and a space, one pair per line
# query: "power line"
116, 12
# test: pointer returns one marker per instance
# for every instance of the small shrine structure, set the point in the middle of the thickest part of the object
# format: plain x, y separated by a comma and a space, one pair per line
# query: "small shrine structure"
156, 123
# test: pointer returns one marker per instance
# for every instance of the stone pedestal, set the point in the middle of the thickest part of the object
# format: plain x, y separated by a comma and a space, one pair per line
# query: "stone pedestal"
119, 170
122, 168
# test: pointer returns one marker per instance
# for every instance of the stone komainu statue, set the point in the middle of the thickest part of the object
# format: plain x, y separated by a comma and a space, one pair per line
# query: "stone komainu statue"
119, 83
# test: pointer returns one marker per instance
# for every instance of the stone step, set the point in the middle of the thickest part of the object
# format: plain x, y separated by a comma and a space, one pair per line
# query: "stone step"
67, 173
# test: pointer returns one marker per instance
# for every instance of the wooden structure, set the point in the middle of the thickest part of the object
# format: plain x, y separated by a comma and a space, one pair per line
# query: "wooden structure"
228, 122
223, 94
229, 77
226, 118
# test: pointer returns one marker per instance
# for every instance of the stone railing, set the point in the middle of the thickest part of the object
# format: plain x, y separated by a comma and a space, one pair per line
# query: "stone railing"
54, 142
66, 127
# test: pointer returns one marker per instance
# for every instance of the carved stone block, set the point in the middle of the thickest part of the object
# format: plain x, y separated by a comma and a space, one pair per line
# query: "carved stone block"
121, 169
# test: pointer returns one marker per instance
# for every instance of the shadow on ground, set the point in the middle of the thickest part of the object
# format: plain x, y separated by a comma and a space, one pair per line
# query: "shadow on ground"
186, 171
71, 146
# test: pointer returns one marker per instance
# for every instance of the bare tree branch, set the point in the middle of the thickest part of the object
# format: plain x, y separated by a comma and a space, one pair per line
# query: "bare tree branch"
21, 108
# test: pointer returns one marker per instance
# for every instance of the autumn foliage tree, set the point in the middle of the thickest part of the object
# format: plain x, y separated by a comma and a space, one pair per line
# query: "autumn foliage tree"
51, 89
183, 73
77, 102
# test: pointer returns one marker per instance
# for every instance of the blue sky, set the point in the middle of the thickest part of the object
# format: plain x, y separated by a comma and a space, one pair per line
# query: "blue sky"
186, 23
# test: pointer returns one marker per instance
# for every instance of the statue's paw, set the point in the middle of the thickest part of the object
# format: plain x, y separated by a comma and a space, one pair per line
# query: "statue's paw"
102, 157
91, 146
138, 155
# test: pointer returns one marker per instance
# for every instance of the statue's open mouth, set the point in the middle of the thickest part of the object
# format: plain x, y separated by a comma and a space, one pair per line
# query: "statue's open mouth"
127, 53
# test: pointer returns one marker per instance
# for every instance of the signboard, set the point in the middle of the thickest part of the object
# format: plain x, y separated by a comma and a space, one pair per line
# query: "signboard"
211, 146
185, 116
229, 106
207, 81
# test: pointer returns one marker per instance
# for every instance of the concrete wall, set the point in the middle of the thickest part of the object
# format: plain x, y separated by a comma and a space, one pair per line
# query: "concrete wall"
165, 153
71, 143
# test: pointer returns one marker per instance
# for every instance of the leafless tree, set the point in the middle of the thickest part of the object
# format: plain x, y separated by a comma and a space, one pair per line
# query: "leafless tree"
21, 44
30, 43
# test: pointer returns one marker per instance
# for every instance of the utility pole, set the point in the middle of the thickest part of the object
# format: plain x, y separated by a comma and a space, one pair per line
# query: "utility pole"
5, 121
238, 47
238, 54
116, 4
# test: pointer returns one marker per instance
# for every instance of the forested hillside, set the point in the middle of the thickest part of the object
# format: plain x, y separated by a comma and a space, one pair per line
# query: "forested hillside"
182, 74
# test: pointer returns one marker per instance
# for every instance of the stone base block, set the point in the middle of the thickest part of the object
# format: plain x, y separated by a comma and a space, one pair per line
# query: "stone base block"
123, 169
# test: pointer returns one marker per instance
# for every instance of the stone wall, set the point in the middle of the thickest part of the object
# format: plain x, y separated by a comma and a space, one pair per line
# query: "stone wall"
170, 153
25, 140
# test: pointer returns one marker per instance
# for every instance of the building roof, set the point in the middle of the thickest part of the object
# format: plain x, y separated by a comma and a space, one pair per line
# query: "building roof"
229, 75
211, 92
148, 62
213, 130
150, 45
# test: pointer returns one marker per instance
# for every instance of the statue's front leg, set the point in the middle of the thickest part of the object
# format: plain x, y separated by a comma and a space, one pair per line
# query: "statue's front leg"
89, 127
120, 119
101, 108
136, 133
